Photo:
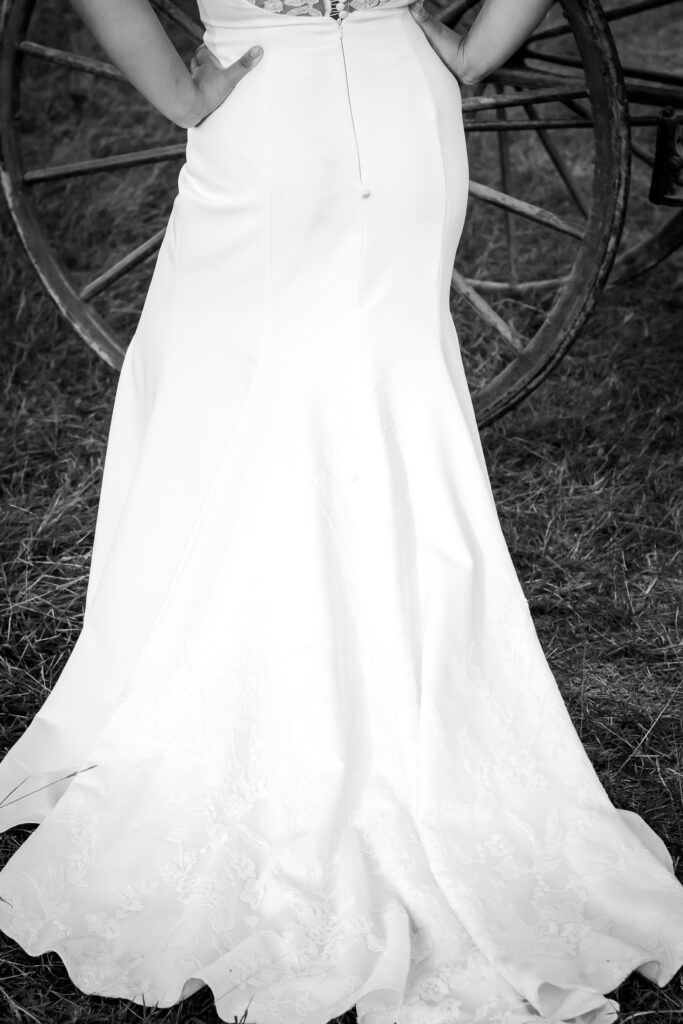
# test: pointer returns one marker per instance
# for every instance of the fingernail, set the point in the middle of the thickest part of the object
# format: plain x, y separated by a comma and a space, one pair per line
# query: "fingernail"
256, 51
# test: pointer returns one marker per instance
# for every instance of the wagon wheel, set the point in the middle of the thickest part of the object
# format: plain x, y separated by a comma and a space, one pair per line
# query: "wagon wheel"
56, 168
549, 147
648, 35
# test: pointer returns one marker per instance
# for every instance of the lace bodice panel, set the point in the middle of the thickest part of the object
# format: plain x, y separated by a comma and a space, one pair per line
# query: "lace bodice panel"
317, 8
336, 9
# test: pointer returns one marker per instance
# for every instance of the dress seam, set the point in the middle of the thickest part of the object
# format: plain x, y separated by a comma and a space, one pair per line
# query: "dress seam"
423, 572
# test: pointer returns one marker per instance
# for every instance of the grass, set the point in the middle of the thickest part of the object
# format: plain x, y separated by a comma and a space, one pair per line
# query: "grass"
588, 481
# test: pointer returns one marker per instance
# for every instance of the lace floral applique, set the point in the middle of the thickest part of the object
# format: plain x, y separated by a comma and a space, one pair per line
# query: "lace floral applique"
313, 8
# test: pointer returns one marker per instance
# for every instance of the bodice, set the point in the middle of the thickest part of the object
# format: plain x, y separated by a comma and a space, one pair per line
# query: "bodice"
215, 10
318, 8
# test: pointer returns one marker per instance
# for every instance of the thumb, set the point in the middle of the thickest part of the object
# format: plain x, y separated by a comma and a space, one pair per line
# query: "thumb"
418, 11
436, 33
429, 26
249, 59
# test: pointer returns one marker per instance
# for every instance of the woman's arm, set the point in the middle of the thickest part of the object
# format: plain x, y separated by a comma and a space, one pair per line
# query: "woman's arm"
498, 31
132, 36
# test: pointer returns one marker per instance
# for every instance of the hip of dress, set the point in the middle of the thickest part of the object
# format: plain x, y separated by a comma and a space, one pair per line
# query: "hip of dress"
360, 108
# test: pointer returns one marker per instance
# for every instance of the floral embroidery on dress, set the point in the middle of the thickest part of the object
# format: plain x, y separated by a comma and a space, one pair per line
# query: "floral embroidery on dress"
316, 8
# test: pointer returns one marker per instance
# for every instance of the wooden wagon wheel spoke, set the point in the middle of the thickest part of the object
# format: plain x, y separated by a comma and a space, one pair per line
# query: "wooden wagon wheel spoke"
535, 78
123, 266
174, 14
487, 312
518, 290
475, 104
650, 95
104, 163
613, 14
524, 209
553, 151
661, 77
70, 60
556, 123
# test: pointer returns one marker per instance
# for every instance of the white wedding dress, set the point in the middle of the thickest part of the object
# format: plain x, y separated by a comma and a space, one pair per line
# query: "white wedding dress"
307, 749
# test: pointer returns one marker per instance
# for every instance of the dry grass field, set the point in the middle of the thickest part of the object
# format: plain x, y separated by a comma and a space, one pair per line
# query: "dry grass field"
588, 480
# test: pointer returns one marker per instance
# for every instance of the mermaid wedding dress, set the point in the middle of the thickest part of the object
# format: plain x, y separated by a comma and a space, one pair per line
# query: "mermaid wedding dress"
307, 749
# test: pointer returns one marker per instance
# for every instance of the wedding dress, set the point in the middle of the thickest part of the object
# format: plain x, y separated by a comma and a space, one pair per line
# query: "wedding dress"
307, 749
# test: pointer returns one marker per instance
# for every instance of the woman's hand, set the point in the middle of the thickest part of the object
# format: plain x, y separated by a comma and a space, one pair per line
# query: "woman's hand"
213, 82
499, 30
132, 36
448, 44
